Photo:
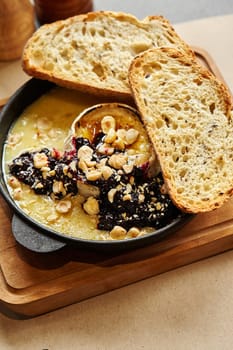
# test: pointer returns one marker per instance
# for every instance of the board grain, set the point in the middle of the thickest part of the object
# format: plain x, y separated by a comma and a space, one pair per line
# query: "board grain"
32, 284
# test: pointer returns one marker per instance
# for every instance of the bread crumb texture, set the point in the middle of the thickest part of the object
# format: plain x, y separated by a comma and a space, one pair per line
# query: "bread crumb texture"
94, 51
187, 113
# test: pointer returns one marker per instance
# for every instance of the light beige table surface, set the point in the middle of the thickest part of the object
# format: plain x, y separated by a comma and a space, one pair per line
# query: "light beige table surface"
188, 308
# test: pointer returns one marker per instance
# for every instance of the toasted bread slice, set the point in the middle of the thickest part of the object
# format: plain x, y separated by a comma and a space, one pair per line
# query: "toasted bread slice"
93, 52
187, 114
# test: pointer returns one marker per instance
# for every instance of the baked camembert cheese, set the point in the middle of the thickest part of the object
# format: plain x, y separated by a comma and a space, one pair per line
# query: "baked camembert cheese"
102, 181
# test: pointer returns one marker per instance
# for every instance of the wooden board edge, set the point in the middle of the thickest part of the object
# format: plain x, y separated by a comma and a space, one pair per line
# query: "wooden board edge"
55, 294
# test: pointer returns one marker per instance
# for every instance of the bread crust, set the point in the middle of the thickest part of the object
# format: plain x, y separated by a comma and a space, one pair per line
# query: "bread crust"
187, 114
94, 47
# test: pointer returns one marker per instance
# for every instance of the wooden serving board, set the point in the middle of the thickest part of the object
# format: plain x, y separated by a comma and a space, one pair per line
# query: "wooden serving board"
32, 284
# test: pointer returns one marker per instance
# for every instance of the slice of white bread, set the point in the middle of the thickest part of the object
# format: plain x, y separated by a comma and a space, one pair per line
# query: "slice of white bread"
93, 52
187, 114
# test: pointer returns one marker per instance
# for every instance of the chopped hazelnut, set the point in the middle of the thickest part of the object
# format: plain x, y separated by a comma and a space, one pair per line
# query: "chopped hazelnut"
119, 144
52, 173
131, 136
117, 160
128, 168
65, 169
111, 194
118, 232
105, 149
64, 206
126, 197
106, 172
90, 163
158, 206
85, 152
14, 182
91, 206
17, 193
141, 198
73, 165
82, 165
40, 160
39, 185
58, 187
133, 232
110, 136
107, 123
93, 175
121, 134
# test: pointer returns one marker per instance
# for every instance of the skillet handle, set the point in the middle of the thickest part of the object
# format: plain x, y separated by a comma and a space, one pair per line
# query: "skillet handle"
32, 239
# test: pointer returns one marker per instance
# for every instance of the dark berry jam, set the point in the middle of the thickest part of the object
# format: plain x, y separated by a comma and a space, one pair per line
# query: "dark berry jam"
128, 199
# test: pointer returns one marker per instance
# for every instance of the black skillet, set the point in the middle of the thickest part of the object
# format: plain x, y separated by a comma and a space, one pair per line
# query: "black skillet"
35, 236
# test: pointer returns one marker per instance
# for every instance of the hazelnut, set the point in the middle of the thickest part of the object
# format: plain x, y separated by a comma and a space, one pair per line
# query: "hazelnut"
106, 172
85, 152
111, 194
133, 232
14, 182
127, 197
121, 134
118, 232
110, 136
131, 136
91, 206
128, 168
82, 165
17, 193
117, 160
119, 144
93, 175
64, 206
73, 165
40, 160
107, 123
141, 198
59, 188
105, 149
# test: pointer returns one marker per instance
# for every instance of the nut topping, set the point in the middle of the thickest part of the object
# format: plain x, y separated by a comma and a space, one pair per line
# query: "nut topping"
107, 172
93, 175
18, 193
107, 123
64, 206
105, 149
91, 206
40, 160
111, 136
133, 232
111, 194
118, 232
118, 160
85, 153
131, 136
14, 182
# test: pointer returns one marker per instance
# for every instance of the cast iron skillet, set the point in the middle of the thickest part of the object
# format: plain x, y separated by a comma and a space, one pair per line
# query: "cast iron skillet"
33, 235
